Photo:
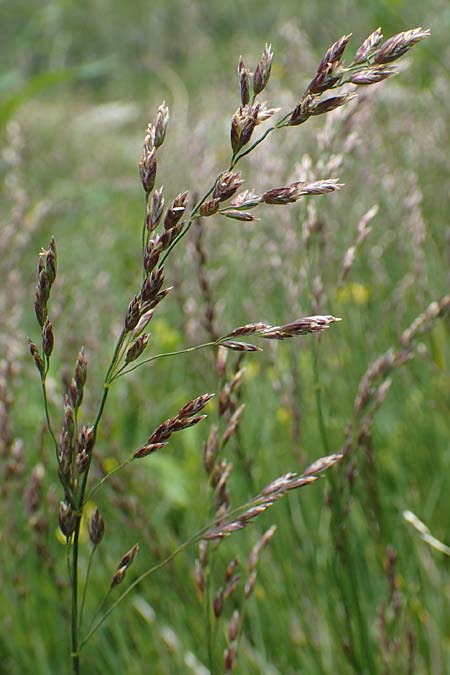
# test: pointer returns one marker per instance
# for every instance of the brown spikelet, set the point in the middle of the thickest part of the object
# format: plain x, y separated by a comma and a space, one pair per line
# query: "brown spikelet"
231, 569
48, 338
226, 185
67, 519
199, 576
123, 566
133, 314
244, 82
248, 329
96, 527
368, 46
262, 71
137, 348
259, 546
372, 75
155, 208
148, 449
244, 216
399, 44
175, 211
240, 346
250, 584
218, 603
35, 353
234, 626
232, 424
161, 122
195, 406
322, 464
147, 165
231, 585
210, 207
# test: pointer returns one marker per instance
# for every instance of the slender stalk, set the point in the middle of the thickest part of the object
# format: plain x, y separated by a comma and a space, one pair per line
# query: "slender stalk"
124, 371
75, 655
107, 477
75, 646
252, 147
86, 581
47, 417
68, 561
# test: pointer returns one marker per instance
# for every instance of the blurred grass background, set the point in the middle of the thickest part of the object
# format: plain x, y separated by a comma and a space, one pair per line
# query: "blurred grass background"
78, 84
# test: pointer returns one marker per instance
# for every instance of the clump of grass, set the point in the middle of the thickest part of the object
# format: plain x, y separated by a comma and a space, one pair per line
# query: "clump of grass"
163, 230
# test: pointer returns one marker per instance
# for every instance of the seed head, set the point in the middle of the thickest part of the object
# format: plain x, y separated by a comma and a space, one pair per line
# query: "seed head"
195, 406
79, 379
137, 348
244, 216
148, 449
199, 576
162, 120
250, 585
330, 104
259, 546
50, 262
372, 75
48, 339
247, 199
234, 626
210, 207
133, 314
155, 209
262, 72
244, 83
175, 211
399, 44
240, 346
226, 185
129, 556
96, 527
147, 169
322, 464
67, 519
35, 353
218, 603
368, 46
242, 125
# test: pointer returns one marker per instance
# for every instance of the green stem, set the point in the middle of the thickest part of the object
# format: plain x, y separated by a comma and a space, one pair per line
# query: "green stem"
75, 655
86, 581
252, 147
76, 647
124, 370
107, 476
47, 416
